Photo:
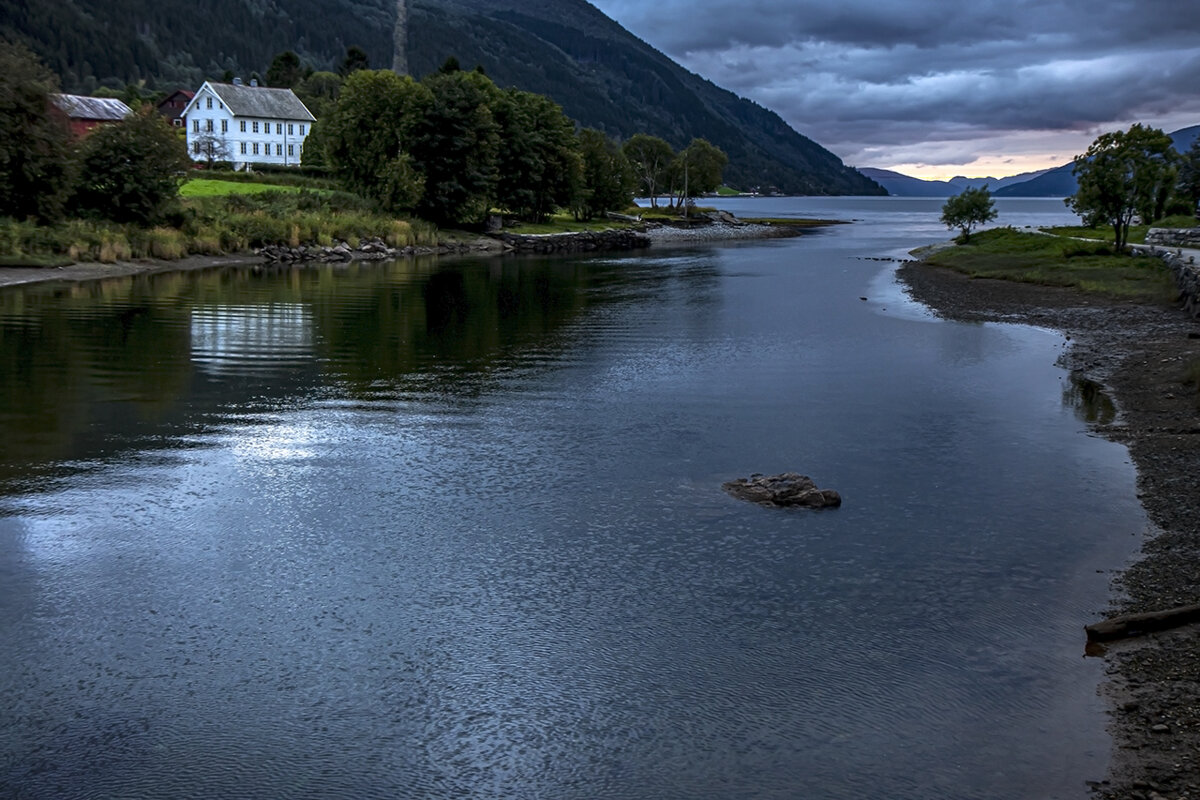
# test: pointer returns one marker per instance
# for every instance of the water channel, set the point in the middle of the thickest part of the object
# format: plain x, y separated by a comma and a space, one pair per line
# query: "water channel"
444, 529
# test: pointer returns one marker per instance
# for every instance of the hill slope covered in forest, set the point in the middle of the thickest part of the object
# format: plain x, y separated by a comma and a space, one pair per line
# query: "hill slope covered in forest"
602, 75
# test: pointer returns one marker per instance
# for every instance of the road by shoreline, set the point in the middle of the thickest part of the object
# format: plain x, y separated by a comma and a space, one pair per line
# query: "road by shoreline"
1138, 353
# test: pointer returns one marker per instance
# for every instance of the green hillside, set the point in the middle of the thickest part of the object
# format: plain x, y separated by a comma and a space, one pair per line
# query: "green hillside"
603, 76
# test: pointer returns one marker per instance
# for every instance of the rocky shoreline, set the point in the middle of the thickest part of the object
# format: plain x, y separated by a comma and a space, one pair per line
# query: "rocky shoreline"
375, 249
1139, 353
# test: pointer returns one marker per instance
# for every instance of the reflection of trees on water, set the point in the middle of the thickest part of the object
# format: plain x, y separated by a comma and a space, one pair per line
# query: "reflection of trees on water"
93, 368
1089, 401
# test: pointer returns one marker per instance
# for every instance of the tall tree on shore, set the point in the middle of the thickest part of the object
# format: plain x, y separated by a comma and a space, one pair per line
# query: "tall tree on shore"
368, 136
456, 144
967, 209
539, 166
35, 143
650, 157
696, 170
608, 180
1123, 174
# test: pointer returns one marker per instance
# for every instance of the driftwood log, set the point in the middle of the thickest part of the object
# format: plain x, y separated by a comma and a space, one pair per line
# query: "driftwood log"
1128, 625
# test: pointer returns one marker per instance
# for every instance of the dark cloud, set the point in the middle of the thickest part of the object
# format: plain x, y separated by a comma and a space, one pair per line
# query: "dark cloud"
873, 79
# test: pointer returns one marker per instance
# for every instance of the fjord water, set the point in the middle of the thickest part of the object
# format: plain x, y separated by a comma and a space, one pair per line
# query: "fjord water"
456, 529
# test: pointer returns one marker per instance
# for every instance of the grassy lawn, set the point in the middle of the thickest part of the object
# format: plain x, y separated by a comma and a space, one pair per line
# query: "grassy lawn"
1137, 233
207, 187
1008, 254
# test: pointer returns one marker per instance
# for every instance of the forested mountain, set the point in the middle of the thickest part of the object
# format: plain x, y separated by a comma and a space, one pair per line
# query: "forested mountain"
603, 76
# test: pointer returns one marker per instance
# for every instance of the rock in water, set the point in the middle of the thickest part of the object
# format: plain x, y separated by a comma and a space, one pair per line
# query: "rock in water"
789, 489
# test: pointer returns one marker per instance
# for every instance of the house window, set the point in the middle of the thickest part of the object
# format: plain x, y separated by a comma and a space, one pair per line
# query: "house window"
208, 125
196, 148
208, 102
279, 129
243, 148
243, 126
301, 130
291, 149
291, 129
254, 125
278, 149
196, 126
224, 126
255, 145
178, 123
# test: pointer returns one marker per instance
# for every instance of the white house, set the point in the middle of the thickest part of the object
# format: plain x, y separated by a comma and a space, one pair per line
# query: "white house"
246, 124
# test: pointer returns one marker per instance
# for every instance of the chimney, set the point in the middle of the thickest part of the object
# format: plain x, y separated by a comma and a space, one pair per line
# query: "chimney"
237, 81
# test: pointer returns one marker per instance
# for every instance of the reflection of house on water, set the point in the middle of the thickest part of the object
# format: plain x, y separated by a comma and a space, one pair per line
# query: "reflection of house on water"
252, 339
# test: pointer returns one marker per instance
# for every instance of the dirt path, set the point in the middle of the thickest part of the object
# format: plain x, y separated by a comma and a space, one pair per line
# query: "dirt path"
1139, 353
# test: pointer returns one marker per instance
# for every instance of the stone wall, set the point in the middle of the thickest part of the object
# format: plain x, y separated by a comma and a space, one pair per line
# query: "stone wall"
1173, 237
1187, 277
575, 242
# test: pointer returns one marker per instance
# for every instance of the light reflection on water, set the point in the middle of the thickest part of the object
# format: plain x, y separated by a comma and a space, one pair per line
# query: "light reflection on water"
417, 531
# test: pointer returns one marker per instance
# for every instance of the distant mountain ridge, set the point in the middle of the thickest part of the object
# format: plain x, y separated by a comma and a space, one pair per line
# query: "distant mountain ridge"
1060, 181
602, 75
1053, 182
901, 185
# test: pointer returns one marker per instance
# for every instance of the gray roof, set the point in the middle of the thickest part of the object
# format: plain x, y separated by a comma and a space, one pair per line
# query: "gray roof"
99, 108
262, 102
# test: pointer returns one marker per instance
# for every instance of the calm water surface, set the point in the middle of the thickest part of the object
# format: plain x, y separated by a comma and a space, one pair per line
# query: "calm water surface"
443, 530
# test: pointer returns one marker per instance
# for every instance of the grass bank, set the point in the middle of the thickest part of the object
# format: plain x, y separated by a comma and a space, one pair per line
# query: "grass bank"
1007, 254
208, 187
214, 225
1137, 233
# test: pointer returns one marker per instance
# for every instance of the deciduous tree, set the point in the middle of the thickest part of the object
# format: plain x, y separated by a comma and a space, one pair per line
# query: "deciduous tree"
966, 210
367, 136
455, 144
35, 142
650, 157
131, 171
608, 180
696, 170
1122, 174
539, 168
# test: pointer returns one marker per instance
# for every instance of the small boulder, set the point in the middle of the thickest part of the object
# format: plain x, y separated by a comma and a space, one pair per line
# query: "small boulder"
788, 489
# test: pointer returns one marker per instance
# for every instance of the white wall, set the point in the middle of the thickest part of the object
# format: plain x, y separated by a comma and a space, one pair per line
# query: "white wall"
278, 141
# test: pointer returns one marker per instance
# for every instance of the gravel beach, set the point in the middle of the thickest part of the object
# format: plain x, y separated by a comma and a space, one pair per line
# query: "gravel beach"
1138, 354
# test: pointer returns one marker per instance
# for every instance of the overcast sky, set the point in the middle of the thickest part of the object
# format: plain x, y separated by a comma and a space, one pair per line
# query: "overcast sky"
937, 88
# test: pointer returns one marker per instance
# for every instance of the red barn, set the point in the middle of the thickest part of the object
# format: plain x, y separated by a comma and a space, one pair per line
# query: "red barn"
85, 113
172, 108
